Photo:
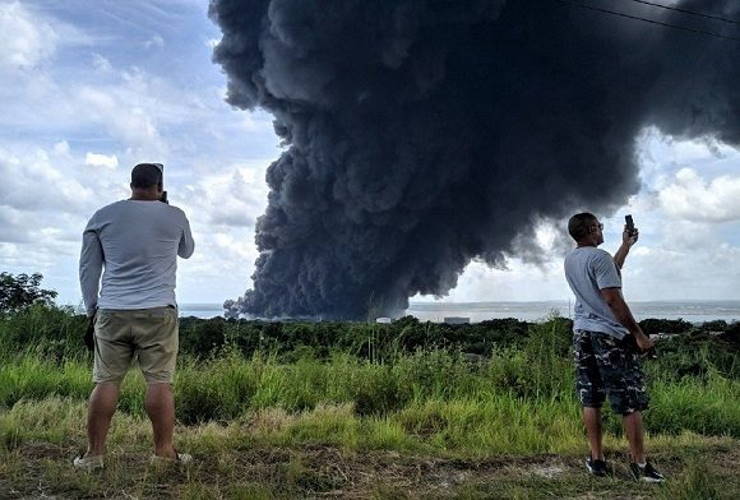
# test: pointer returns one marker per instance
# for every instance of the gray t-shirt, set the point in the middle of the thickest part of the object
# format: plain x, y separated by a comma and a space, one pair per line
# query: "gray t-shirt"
589, 270
137, 242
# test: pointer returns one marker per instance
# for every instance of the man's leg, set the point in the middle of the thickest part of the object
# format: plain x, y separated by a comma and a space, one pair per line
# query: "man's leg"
160, 406
635, 436
625, 382
112, 359
589, 387
101, 408
640, 468
156, 331
592, 421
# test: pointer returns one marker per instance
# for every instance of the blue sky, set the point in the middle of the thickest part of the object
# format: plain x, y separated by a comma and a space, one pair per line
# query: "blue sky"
89, 89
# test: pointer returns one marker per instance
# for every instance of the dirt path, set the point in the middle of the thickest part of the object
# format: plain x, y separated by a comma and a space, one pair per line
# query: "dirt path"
43, 470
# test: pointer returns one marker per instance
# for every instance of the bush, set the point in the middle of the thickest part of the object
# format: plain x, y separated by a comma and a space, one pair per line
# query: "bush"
367, 340
718, 325
201, 337
732, 335
655, 326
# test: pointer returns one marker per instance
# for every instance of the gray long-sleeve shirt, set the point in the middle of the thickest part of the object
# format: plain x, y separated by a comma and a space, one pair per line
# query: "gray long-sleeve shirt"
137, 243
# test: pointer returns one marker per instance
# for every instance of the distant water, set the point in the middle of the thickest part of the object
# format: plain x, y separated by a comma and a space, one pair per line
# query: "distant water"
693, 311
201, 310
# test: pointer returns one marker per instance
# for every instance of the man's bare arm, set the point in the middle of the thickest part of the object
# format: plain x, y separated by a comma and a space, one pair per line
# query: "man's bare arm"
615, 301
628, 239
621, 255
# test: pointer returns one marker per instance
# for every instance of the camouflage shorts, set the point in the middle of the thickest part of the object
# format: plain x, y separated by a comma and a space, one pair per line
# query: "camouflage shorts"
608, 366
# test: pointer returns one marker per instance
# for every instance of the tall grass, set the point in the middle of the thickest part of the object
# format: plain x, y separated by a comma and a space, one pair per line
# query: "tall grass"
41, 330
255, 390
697, 482
516, 400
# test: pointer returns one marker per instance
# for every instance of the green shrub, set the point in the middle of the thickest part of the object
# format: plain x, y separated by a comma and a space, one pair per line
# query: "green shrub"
201, 338
654, 326
718, 325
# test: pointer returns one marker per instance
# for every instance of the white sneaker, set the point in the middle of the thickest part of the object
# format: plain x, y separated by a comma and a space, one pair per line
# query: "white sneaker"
89, 463
182, 459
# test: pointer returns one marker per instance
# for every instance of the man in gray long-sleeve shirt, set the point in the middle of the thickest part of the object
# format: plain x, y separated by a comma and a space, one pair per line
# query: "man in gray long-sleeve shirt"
135, 244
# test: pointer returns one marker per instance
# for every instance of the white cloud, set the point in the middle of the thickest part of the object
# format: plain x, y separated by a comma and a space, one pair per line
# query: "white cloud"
11, 227
692, 198
107, 116
156, 41
101, 160
32, 182
25, 39
61, 148
222, 209
128, 112
661, 156
671, 271
46, 198
28, 38
101, 63
232, 199
521, 281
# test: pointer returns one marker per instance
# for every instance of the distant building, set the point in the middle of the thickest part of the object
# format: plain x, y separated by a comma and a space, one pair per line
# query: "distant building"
383, 320
456, 320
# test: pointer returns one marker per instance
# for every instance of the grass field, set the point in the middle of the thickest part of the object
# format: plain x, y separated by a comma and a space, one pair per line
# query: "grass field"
432, 423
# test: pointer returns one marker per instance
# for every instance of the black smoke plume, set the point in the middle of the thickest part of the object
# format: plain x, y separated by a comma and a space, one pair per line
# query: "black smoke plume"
421, 134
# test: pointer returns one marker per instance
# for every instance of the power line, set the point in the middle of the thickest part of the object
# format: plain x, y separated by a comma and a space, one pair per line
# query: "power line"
651, 21
689, 12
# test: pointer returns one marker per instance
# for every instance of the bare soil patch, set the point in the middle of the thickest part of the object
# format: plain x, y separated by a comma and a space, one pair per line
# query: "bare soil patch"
44, 470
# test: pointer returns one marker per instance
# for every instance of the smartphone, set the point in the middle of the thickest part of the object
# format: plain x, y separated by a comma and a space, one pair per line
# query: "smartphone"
630, 224
163, 199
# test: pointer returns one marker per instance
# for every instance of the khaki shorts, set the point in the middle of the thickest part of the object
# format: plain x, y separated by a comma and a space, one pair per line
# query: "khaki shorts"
152, 334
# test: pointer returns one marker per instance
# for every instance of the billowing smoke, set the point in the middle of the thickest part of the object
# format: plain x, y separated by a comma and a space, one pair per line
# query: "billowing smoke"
421, 134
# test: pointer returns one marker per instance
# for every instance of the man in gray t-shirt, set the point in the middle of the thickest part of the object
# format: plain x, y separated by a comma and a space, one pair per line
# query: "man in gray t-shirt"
606, 342
588, 271
135, 244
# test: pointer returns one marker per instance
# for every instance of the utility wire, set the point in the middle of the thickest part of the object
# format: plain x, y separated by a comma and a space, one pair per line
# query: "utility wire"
651, 21
689, 12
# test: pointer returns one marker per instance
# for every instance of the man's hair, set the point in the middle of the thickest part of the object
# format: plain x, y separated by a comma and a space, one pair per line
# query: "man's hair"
145, 176
579, 224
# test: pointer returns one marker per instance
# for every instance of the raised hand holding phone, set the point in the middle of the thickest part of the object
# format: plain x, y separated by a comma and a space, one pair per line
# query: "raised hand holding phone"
163, 199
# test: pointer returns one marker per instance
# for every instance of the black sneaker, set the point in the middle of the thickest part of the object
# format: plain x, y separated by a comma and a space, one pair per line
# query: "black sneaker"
596, 467
646, 473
